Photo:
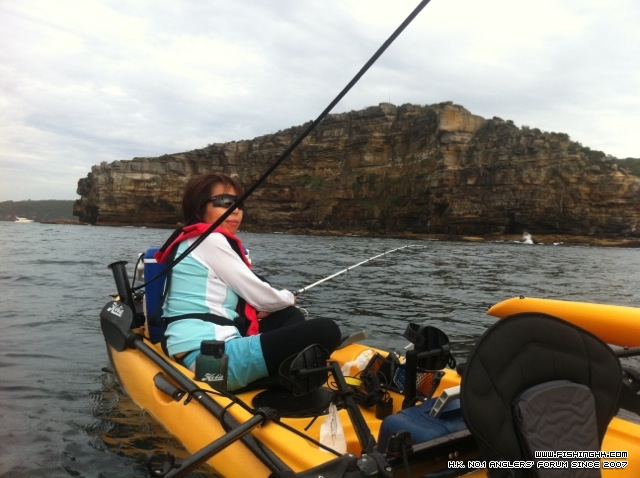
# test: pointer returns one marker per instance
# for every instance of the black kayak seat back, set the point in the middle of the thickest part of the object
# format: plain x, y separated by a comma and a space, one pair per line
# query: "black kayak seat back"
536, 382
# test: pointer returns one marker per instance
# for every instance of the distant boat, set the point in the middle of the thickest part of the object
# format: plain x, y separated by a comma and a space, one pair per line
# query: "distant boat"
23, 219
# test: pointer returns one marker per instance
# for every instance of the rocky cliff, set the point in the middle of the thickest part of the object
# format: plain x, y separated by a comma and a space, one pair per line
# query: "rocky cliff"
389, 170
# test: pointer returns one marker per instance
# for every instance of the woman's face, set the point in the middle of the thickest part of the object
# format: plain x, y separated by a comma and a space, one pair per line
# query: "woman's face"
213, 212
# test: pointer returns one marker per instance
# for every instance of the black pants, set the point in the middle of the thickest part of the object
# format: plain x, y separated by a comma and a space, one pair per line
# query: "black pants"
285, 333
281, 318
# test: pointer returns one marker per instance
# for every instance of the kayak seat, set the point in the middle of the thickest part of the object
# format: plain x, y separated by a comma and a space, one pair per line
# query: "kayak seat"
312, 404
534, 382
299, 391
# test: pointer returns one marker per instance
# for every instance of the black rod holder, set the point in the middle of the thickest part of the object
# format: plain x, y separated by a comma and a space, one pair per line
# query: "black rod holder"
122, 283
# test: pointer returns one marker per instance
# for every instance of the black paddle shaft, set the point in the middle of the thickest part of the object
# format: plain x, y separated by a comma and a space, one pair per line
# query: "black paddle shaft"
202, 455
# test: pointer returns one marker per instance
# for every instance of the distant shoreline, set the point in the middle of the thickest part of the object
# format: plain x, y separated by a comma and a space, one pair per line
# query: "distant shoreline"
540, 239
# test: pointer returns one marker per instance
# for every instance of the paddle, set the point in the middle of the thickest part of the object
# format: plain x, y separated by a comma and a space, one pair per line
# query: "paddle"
628, 352
202, 455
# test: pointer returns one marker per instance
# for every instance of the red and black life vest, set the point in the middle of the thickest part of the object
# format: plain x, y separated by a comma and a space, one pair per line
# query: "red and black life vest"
248, 320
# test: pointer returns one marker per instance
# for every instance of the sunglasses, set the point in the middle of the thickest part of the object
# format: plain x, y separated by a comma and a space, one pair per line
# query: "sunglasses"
224, 200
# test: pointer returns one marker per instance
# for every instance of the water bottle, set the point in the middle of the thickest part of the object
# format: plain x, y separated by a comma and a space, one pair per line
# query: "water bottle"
212, 364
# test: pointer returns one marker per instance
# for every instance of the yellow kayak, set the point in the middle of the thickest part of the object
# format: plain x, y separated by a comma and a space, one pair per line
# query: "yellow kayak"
289, 446
196, 427
614, 324
388, 415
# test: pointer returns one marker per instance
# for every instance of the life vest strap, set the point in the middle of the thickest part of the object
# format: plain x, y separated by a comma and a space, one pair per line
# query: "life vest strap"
214, 319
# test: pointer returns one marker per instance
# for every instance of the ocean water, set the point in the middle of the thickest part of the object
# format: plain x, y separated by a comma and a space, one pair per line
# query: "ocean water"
62, 415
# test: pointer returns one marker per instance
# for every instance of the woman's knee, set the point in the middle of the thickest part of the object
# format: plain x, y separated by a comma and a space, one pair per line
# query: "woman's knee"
327, 332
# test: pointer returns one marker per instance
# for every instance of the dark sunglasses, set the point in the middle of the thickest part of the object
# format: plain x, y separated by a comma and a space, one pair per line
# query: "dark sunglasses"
224, 200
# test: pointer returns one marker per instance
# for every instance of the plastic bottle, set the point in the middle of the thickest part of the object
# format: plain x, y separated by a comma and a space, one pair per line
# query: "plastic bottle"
212, 364
353, 367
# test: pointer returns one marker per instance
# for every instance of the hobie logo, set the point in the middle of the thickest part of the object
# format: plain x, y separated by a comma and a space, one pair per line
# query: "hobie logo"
213, 377
116, 309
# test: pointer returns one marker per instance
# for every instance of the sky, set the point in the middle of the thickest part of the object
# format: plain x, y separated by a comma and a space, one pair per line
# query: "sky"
87, 81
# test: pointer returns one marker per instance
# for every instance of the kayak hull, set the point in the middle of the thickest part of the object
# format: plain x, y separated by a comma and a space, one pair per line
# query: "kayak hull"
613, 324
196, 427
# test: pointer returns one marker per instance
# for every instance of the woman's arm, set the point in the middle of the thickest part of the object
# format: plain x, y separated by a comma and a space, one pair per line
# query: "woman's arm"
216, 253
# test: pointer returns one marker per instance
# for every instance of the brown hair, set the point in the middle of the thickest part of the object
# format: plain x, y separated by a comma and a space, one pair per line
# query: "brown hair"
198, 191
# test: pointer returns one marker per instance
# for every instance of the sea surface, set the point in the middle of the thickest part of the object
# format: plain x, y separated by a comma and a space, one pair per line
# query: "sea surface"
62, 415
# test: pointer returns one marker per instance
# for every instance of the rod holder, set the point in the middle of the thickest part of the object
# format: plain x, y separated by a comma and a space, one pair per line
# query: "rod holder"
122, 283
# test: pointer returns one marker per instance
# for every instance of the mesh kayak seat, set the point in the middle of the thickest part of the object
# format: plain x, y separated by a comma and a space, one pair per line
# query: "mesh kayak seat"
299, 391
535, 382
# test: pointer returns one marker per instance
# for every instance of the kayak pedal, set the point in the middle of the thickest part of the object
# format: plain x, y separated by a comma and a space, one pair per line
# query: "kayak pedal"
166, 387
447, 396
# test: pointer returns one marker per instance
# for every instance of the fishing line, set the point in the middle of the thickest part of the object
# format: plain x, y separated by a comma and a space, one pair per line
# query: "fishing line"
240, 201
336, 274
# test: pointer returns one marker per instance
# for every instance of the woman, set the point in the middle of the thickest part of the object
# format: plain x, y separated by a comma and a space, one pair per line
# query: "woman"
213, 295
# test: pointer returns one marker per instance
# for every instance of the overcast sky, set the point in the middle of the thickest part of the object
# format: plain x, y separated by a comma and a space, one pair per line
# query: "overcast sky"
86, 81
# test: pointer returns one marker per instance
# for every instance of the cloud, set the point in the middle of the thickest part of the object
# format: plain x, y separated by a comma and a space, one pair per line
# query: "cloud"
86, 81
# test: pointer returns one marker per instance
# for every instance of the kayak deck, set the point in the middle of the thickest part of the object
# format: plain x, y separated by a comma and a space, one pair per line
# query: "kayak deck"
196, 427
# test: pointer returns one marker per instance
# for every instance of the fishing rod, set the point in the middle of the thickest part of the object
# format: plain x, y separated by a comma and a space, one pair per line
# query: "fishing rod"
298, 140
304, 289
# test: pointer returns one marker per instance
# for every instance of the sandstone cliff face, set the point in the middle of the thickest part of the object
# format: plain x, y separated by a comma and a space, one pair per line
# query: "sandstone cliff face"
388, 170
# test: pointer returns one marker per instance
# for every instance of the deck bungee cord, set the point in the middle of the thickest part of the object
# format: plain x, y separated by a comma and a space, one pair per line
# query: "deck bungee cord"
240, 201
